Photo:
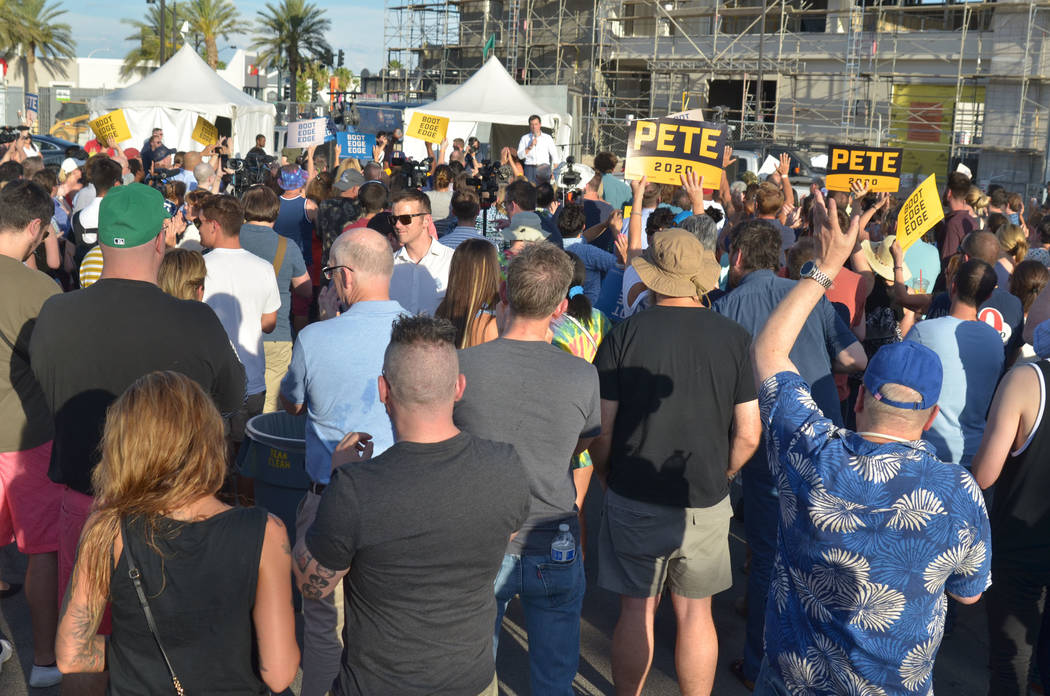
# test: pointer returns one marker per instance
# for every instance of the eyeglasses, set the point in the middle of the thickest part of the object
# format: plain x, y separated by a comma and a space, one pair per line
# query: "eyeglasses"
407, 219
327, 271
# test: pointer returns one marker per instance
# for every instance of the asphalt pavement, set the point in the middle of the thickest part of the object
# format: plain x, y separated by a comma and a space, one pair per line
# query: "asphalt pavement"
960, 669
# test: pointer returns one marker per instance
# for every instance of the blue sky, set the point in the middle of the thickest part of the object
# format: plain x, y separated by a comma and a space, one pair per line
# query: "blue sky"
357, 28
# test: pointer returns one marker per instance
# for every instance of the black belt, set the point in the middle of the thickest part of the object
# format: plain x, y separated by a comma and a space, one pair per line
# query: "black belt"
317, 488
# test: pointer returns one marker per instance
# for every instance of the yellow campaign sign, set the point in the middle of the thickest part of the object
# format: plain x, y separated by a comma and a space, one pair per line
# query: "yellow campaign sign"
919, 213
665, 149
878, 168
111, 126
432, 129
205, 132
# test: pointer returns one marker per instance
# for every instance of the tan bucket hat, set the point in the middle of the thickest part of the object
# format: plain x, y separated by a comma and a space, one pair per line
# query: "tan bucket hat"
880, 259
677, 265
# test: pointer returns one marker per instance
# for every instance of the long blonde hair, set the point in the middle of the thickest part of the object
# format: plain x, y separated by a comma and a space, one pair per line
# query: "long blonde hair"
163, 447
473, 286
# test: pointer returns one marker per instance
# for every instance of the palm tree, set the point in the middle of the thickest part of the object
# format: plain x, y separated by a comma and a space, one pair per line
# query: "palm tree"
146, 38
211, 19
38, 32
290, 32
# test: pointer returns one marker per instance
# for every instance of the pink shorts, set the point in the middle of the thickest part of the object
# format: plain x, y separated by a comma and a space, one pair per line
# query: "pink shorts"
29, 501
76, 508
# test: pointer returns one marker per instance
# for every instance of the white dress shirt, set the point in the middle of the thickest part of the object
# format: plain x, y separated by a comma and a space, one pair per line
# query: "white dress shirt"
545, 151
420, 287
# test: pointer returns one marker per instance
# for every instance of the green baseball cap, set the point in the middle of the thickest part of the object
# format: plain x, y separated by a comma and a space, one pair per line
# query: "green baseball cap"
130, 216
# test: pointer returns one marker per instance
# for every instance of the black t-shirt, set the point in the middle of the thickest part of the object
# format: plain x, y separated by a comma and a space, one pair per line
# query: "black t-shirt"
423, 529
677, 373
90, 345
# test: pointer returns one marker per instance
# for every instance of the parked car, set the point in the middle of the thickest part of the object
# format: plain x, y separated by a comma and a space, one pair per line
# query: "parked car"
52, 149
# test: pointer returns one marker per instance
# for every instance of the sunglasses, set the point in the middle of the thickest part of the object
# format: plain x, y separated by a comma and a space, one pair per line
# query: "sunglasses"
407, 219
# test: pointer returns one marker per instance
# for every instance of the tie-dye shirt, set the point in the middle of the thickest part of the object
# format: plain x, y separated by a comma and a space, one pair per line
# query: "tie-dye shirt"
871, 536
582, 340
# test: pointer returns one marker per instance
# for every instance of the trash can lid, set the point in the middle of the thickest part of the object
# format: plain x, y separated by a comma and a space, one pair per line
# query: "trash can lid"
281, 430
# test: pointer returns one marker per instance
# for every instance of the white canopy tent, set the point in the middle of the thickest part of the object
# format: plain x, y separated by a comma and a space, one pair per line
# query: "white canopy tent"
172, 97
491, 95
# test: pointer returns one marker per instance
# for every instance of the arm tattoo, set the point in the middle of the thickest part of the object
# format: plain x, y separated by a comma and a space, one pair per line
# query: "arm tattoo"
90, 655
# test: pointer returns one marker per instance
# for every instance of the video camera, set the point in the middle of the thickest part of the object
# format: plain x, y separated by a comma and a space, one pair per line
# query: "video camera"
8, 135
160, 177
487, 182
413, 174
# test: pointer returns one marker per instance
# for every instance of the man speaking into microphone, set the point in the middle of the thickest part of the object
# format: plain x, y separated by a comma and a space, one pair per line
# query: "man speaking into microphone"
536, 148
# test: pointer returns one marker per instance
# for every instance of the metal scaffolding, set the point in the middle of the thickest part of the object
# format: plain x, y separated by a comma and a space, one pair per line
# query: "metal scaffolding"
949, 82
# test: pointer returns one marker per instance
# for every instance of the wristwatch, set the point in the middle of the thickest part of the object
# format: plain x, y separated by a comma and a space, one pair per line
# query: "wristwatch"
810, 270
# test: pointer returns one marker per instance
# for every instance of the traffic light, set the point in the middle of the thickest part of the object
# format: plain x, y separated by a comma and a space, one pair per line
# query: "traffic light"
328, 58
341, 56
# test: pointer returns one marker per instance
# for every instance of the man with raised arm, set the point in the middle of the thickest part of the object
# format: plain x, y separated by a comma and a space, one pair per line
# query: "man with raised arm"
873, 527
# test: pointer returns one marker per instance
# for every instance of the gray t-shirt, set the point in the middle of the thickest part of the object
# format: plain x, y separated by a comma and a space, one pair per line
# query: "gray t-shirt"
262, 241
541, 400
422, 528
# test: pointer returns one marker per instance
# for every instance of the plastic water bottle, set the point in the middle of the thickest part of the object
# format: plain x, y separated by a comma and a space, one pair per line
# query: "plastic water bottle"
563, 548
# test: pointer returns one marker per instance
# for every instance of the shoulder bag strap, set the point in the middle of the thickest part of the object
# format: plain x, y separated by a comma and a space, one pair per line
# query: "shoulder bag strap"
14, 349
135, 575
278, 259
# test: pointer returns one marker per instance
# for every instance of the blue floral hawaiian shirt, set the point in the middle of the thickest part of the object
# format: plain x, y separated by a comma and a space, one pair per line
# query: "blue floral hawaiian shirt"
871, 536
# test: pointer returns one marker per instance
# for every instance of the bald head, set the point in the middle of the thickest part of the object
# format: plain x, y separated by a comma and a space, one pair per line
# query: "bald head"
366, 251
983, 246
191, 160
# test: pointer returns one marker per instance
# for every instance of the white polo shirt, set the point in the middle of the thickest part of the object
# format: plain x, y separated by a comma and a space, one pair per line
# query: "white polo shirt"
545, 152
420, 287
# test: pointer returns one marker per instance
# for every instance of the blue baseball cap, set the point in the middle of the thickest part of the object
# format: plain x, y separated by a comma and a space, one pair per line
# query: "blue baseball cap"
908, 364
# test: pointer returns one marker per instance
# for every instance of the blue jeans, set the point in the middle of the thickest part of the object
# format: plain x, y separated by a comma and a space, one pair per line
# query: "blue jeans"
552, 597
529, 170
769, 682
761, 517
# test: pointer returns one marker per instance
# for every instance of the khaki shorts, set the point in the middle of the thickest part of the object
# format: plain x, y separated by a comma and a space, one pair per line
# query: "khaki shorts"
278, 358
642, 547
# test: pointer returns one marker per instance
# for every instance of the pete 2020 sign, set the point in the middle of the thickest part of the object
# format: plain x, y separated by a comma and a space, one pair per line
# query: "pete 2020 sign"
665, 149
431, 129
921, 211
112, 126
878, 168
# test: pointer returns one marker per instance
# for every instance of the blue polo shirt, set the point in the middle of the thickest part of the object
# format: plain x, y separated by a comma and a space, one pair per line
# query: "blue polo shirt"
334, 371
824, 335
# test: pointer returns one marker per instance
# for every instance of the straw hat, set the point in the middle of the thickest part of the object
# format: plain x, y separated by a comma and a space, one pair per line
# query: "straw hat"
881, 260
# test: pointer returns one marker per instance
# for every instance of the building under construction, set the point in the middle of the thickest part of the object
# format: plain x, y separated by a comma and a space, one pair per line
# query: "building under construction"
949, 82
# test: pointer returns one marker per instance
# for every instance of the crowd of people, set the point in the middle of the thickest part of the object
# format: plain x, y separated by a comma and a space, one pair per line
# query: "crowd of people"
465, 366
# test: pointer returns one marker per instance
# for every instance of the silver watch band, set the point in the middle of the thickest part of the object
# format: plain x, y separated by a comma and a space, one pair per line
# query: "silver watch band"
819, 276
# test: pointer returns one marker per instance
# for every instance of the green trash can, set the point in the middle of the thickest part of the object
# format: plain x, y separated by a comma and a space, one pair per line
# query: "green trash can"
274, 454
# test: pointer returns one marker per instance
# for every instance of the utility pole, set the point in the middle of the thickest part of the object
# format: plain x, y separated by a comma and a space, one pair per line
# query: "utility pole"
161, 33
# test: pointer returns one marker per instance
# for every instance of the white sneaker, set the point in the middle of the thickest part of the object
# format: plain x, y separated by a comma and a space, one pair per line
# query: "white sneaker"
42, 677
6, 651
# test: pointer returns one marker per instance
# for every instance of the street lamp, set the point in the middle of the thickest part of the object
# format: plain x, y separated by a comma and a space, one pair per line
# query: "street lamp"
99, 50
